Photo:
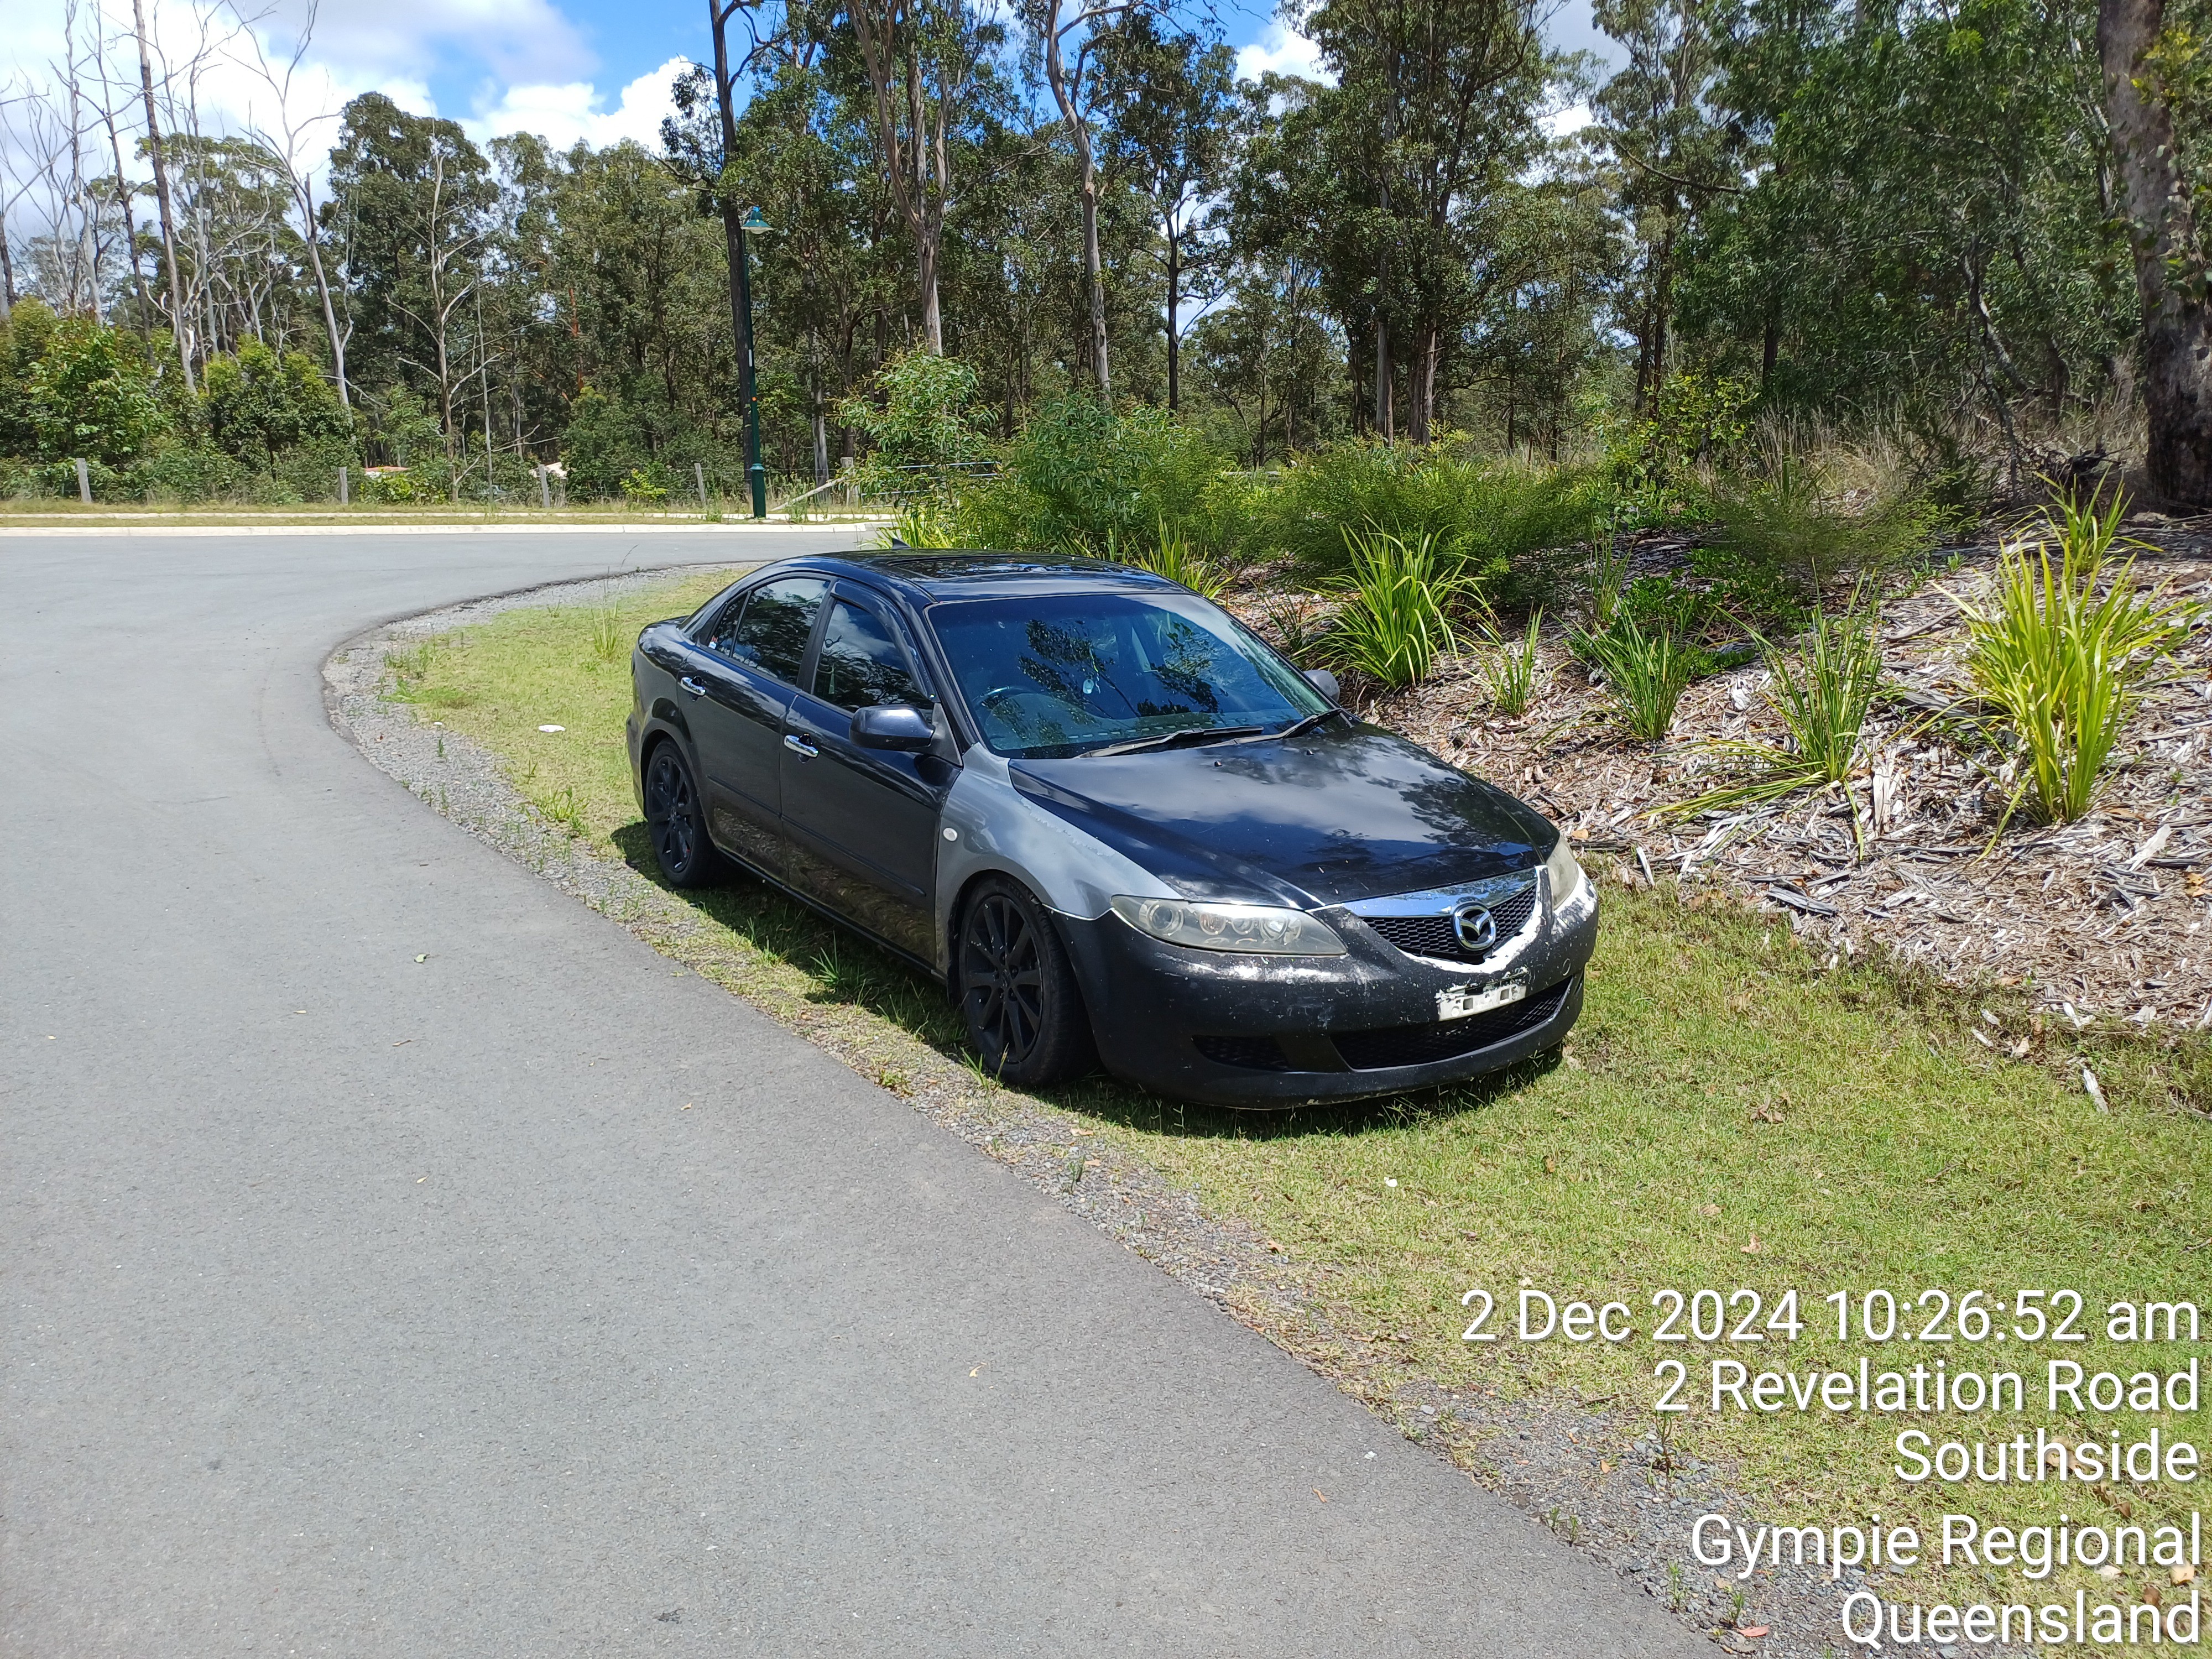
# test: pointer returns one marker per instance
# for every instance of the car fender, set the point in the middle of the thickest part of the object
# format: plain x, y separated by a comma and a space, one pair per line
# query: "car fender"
988, 828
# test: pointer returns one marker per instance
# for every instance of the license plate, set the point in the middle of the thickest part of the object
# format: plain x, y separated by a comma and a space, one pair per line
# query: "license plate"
1464, 1000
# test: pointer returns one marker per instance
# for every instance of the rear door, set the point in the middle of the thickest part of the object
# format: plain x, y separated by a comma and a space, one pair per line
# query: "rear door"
742, 678
863, 823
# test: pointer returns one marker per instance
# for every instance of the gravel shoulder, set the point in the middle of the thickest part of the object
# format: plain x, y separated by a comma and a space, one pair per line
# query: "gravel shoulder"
1588, 1470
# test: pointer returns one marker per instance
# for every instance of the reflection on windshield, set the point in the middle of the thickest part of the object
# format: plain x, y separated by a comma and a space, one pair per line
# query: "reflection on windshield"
1068, 672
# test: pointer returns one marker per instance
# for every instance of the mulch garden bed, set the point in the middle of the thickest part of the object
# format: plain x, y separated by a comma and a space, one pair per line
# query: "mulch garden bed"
2101, 919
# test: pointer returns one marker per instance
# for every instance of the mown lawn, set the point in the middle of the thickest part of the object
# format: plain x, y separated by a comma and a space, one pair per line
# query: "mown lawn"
1727, 1116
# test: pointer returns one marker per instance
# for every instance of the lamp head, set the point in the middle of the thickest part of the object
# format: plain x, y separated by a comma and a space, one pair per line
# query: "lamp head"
755, 225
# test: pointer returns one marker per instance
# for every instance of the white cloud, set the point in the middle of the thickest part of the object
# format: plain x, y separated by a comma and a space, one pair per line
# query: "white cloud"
1566, 123
562, 113
1280, 50
380, 41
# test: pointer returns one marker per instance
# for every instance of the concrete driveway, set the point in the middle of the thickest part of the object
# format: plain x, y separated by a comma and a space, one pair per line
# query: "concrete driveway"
359, 1304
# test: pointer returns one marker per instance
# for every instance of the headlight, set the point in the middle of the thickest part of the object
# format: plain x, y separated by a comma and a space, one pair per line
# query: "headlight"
1260, 929
1565, 876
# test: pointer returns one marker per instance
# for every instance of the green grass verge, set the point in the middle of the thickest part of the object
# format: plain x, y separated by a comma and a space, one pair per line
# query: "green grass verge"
1722, 1087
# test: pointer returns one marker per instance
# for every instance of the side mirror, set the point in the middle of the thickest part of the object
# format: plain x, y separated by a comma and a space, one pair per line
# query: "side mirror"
893, 726
1325, 682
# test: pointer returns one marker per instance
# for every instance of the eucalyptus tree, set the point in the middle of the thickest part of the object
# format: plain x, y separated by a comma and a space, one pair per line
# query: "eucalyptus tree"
804, 154
412, 208
282, 126
1922, 220
932, 71
1170, 107
1434, 110
1678, 150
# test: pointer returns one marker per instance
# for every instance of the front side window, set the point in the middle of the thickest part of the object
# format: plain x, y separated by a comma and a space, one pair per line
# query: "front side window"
769, 629
860, 663
1066, 673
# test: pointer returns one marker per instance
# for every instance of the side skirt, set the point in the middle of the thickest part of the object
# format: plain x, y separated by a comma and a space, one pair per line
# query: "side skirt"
822, 910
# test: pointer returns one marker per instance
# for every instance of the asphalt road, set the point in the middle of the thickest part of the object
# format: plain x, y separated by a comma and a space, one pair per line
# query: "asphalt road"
359, 1304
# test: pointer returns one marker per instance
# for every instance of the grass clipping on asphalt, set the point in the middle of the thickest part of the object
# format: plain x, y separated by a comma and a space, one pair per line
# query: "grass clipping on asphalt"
1729, 1114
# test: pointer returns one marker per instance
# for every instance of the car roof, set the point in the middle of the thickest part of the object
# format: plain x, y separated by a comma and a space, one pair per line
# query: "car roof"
928, 575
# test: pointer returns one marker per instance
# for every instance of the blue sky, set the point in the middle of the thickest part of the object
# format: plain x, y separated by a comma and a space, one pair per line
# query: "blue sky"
595, 70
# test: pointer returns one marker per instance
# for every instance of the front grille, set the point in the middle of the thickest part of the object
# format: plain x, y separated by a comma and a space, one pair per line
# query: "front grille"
1432, 936
1252, 1054
1449, 1039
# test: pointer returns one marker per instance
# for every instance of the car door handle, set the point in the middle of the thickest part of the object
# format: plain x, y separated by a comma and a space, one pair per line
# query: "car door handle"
692, 686
799, 746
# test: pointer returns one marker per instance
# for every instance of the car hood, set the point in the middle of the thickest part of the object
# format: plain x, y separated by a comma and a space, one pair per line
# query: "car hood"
1326, 818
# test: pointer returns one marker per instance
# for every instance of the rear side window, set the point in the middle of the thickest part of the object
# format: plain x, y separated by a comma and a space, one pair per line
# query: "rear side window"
860, 663
770, 630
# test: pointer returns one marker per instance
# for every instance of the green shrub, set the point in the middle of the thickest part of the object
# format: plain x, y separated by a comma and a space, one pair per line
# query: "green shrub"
1081, 478
1786, 538
88, 394
310, 470
1492, 522
603, 444
1646, 674
1395, 619
1660, 604
259, 405
648, 485
1172, 555
2065, 665
1510, 673
921, 422
1657, 460
1821, 694
920, 524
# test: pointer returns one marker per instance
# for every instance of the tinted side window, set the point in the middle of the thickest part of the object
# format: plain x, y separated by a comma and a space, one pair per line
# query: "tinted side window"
860, 663
770, 631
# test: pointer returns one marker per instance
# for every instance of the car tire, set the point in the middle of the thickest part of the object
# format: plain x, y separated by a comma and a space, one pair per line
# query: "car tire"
676, 820
1018, 997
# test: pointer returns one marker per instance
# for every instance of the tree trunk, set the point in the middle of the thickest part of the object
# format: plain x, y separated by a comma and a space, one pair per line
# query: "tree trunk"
323, 289
2170, 267
1662, 305
821, 427
1424, 388
1078, 132
930, 238
875, 26
1386, 422
1174, 300
129, 234
184, 341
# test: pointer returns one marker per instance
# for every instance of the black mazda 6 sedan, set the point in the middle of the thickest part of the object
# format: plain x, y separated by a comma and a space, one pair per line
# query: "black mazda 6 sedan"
1120, 827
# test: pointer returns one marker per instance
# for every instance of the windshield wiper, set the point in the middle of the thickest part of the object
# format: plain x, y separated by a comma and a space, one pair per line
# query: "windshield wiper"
1191, 734
1294, 727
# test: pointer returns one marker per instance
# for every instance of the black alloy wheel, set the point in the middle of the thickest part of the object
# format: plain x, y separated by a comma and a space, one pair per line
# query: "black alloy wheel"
1018, 992
675, 820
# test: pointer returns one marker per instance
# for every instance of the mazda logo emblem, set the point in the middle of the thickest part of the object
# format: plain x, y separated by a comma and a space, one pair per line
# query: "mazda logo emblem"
1474, 926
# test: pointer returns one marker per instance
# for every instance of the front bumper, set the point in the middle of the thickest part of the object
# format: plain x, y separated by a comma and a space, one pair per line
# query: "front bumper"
1257, 1030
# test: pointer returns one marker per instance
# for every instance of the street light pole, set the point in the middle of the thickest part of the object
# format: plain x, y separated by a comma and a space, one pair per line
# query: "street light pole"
756, 474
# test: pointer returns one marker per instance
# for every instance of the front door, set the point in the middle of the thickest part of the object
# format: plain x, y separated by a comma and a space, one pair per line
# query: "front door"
862, 823
745, 676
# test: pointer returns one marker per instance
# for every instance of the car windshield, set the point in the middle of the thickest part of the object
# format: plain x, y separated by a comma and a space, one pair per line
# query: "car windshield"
1071, 673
